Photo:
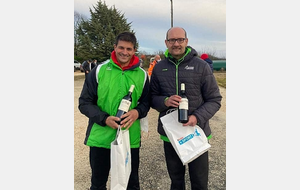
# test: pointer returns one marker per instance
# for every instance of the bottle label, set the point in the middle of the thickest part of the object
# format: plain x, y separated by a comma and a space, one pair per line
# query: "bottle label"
124, 106
184, 104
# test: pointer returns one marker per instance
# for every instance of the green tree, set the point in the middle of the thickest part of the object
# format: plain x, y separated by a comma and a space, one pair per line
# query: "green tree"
78, 18
96, 36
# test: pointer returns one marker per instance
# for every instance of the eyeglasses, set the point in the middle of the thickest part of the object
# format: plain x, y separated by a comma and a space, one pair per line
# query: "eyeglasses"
179, 40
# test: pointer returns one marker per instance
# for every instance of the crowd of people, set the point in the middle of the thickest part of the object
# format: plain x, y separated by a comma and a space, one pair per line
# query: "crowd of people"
106, 84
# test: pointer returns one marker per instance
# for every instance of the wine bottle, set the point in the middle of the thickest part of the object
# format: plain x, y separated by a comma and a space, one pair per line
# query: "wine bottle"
125, 104
183, 106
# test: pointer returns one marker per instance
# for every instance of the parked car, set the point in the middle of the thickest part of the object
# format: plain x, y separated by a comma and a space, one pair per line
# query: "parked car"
77, 65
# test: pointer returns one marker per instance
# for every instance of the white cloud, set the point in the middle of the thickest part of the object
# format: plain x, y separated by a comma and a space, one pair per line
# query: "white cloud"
204, 21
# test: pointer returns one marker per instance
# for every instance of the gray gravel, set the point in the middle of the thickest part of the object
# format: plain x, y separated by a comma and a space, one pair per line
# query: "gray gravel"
153, 172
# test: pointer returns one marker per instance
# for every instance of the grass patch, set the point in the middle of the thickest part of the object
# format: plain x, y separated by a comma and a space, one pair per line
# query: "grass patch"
221, 78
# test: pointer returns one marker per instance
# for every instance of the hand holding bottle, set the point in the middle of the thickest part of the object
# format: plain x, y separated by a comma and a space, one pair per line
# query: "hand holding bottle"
129, 118
191, 122
173, 101
111, 121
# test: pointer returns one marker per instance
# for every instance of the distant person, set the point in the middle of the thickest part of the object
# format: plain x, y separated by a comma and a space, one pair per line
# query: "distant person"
151, 66
141, 63
94, 64
83, 65
205, 57
87, 67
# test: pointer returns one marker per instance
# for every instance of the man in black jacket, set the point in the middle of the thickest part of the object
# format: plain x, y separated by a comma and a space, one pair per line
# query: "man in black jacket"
183, 65
87, 66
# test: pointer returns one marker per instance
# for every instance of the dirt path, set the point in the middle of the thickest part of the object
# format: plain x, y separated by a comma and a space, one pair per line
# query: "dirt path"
153, 172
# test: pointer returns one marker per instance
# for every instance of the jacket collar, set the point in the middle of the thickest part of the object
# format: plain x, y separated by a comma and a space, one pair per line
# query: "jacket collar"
188, 49
134, 62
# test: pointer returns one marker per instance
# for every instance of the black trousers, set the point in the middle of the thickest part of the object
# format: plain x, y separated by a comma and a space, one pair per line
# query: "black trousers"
100, 165
198, 170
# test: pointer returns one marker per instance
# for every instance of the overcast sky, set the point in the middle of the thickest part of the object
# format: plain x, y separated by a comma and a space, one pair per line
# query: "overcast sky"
204, 21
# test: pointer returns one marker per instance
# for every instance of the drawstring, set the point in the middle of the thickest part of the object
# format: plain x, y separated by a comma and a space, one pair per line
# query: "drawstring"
171, 110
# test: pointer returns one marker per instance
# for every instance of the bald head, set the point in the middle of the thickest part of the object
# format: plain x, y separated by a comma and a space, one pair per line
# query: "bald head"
175, 29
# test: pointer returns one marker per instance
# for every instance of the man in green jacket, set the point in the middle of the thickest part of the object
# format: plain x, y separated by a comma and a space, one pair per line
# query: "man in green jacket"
101, 95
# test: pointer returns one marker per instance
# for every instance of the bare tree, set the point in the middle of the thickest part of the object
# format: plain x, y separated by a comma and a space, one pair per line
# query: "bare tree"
211, 52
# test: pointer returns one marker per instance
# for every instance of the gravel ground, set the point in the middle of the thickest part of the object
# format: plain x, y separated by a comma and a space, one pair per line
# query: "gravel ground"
153, 172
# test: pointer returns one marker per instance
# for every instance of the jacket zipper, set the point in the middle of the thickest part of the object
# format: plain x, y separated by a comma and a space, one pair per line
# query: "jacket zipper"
176, 74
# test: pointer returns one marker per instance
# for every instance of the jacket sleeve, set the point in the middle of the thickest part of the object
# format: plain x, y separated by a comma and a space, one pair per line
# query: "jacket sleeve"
157, 101
211, 96
144, 106
84, 65
88, 100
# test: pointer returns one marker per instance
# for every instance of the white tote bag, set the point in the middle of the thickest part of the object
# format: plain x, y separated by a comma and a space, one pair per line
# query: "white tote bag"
120, 158
189, 142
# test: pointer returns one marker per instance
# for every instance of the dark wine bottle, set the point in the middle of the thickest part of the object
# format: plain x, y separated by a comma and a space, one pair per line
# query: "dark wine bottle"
125, 104
183, 106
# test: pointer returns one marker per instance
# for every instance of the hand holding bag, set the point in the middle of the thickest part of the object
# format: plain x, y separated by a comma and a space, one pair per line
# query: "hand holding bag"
120, 157
189, 142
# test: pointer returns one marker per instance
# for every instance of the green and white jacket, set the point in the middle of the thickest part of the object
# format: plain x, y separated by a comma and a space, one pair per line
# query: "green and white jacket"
102, 92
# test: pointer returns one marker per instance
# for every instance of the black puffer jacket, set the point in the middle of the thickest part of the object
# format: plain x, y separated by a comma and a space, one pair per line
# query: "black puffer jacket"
200, 85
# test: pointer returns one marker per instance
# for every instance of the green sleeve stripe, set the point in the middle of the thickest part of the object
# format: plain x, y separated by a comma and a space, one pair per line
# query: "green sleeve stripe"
209, 137
164, 138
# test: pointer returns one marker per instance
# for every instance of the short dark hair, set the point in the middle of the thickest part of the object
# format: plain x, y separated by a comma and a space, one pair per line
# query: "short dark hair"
128, 37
